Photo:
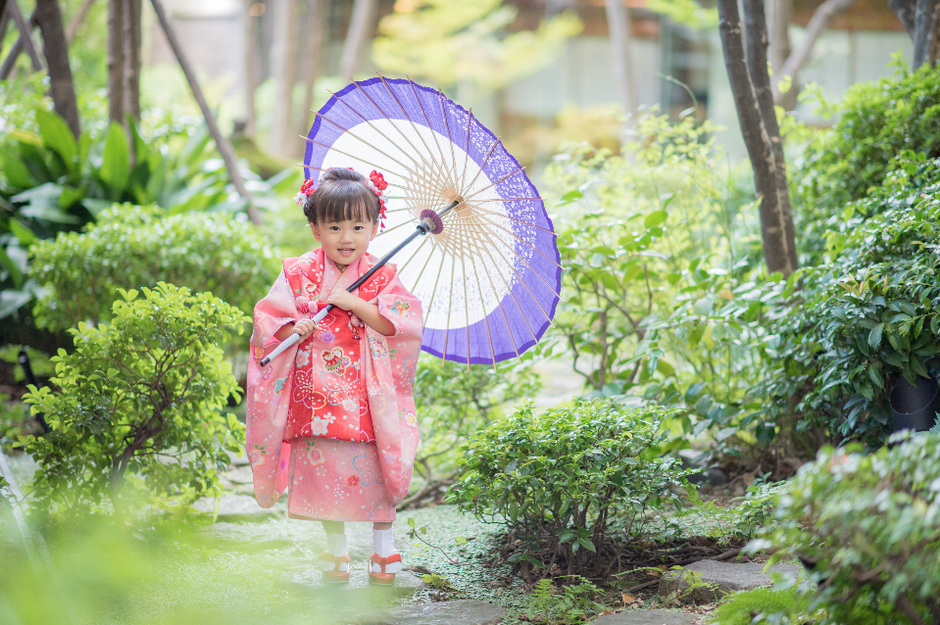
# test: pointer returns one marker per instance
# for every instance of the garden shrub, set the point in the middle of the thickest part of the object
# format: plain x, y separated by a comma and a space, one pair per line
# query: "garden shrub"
867, 527
869, 316
51, 182
662, 293
131, 247
876, 122
137, 406
455, 402
558, 479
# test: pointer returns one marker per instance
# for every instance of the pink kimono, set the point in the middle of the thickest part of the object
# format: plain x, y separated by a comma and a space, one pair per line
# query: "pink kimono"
332, 419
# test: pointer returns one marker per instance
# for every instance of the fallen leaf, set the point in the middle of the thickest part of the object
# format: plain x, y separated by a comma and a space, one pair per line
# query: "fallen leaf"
627, 599
654, 572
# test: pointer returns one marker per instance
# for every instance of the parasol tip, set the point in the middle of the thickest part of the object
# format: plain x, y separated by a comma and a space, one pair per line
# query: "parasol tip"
433, 220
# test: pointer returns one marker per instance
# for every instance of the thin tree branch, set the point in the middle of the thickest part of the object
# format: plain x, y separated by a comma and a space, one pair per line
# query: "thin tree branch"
25, 40
222, 144
798, 58
77, 20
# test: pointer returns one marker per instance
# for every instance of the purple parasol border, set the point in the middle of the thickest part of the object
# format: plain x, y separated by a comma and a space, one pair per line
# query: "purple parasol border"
518, 291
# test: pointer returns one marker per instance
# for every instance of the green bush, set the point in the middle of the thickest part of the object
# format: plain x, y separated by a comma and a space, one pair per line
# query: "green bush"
51, 182
869, 316
558, 479
662, 293
454, 402
868, 529
132, 247
138, 403
877, 121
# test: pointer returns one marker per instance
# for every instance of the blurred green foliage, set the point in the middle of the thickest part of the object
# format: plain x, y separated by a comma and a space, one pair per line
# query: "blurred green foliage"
867, 527
137, 406
449, 42
558, 478
131, 247
103, 572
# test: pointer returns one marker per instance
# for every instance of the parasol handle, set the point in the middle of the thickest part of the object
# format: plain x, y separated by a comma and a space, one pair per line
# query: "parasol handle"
422, 228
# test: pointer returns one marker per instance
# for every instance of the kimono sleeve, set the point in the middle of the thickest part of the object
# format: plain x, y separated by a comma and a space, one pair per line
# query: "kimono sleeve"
268, 393
390, 369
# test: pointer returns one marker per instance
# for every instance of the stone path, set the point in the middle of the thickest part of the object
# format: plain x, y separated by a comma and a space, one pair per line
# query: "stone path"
246, 538
649, 617
714, 580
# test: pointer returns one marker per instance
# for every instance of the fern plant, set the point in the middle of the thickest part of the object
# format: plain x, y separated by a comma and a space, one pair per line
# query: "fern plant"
765, 605
571, 604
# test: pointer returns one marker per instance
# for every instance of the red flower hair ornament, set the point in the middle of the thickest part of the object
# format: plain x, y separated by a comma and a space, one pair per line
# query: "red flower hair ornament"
305, 189
378, 184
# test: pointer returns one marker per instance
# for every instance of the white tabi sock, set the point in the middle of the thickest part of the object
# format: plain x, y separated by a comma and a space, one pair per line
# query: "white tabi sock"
383, 543
336, 545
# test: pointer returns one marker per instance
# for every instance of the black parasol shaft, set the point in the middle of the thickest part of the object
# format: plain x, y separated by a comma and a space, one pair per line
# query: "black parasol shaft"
422, 228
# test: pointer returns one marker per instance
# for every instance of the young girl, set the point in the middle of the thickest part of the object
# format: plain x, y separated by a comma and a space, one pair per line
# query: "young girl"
332, 418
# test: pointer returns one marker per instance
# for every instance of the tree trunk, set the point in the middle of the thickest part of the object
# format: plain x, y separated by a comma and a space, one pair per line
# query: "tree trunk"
921, 20
252, 30
360, 29
26, 28
284, 60
926, 26
221, 143
116, 61
618, 23
776, 233
795, 62
314, 53
756, 51
61, 86
132, 40
77, 20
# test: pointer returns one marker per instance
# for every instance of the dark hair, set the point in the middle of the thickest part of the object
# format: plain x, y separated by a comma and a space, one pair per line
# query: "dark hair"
342, 194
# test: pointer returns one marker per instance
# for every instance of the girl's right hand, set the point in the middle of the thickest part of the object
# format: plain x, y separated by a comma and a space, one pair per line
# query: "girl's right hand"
304, 327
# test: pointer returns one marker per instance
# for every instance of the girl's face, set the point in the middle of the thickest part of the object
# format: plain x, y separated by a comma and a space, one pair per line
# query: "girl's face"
344, 242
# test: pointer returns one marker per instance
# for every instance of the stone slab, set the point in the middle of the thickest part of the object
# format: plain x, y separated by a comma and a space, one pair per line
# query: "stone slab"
462, 611
720, 579
648, 617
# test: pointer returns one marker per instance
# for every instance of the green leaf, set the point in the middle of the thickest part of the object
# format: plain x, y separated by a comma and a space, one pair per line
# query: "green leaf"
16, 274
15, 171
21, 232
57, 137
874, 337
115, 165
654, 219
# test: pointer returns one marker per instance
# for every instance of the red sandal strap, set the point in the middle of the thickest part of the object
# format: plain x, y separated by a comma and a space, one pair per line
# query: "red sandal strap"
377, 559
336, 560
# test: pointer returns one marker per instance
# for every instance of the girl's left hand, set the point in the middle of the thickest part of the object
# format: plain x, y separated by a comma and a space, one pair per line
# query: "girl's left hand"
342, 299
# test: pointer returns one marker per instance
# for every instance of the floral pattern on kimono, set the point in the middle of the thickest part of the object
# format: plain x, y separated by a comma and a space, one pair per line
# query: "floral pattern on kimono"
343, 390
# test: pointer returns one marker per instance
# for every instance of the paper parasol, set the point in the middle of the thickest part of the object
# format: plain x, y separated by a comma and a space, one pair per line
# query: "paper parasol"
488, 273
